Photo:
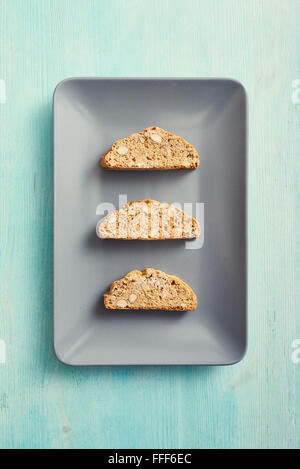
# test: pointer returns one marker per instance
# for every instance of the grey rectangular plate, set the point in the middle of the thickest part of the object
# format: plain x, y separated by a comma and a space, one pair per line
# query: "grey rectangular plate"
89, 114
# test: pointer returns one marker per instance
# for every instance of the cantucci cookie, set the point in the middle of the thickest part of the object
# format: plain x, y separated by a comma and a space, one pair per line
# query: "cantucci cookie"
152, 148
150, 289
149, 220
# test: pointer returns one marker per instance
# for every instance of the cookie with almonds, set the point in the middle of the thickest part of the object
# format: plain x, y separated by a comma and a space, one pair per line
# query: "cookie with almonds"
148, 220
152, 148
150, 289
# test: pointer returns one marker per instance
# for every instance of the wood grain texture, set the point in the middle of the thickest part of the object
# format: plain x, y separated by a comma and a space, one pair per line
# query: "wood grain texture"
44, 404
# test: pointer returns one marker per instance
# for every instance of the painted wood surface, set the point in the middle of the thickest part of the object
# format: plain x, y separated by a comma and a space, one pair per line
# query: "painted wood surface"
44, 404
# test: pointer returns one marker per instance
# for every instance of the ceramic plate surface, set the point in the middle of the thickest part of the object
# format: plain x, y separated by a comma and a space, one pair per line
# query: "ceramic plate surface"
89, 114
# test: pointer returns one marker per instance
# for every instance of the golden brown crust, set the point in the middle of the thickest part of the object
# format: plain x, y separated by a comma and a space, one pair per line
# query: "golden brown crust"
142, 153
153, 289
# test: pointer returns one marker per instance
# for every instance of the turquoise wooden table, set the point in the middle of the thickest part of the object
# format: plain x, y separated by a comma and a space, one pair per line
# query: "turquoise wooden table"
44, 404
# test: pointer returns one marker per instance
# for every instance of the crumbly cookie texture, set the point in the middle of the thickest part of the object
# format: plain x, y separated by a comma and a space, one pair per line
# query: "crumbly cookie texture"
150, 289
149, 220
152, 148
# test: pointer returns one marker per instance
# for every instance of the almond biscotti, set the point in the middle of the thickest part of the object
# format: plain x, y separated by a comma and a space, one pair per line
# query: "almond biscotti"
152, 148
148, 220
150, 289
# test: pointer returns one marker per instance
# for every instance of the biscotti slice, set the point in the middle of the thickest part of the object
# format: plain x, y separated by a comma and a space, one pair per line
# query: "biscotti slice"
149, 220
152, 148
150, 289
